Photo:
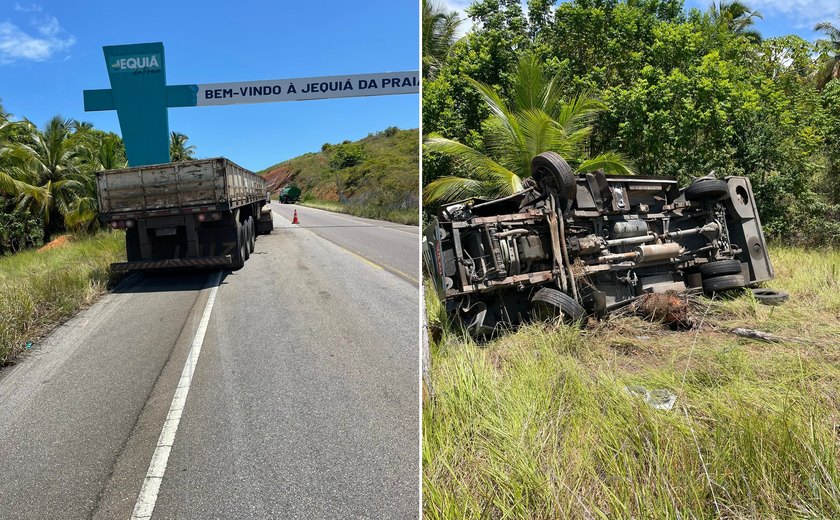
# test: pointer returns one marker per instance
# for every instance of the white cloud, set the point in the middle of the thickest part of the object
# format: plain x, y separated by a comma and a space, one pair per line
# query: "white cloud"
800, 13
33, 8
49, 38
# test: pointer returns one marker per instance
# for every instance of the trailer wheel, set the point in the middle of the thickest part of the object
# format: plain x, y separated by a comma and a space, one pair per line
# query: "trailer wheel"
723, 283
553, 174
548, 303
707, 188
238, 256
252, 229
246, 239
720, 268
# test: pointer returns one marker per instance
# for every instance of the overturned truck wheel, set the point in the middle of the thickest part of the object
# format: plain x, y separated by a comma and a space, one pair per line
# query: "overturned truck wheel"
554, 175
548, 304
723, 283
707, 189
720, 268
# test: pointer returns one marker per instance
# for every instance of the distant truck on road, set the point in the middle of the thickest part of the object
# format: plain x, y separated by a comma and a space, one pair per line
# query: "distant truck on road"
202, 213
289, 194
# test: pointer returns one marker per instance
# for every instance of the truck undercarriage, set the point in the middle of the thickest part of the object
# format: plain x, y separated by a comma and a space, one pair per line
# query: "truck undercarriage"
575, 245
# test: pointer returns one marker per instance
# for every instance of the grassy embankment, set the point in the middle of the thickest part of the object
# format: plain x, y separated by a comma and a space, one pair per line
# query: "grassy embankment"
383, 184
538, 424
40, 290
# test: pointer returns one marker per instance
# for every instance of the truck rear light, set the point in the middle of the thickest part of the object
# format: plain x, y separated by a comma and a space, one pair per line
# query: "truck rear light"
115, 224
207, 217
129, 224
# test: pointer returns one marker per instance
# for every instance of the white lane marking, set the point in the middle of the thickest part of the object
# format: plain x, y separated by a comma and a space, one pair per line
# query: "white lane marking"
157, 467
383, 267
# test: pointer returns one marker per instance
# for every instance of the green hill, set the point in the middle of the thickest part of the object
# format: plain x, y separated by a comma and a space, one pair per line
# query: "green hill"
376, 176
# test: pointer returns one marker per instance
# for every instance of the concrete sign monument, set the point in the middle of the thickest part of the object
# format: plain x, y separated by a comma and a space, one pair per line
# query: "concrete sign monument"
141, 97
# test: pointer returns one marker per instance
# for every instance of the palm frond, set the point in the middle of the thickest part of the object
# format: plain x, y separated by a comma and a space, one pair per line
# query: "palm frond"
610, 162
451, 188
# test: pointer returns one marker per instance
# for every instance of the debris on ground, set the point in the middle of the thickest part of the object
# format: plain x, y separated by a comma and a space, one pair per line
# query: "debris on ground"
61, 241
671, 309
769, 296
764, 336
658, 399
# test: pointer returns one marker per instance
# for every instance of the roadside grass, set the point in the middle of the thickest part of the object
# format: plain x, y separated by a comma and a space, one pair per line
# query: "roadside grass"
40, 290
539, 424
400, 216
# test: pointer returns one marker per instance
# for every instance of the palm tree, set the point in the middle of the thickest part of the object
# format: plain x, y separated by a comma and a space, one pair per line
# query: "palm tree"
831, 70
47, 170
439, 30
537, 119
9, 185
737, 18
178, 149
100, 152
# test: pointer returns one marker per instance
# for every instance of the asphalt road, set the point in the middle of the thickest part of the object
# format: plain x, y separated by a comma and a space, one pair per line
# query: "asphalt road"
393, 247
303, 402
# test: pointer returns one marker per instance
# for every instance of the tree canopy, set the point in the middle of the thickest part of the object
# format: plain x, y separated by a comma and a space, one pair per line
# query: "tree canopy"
47, 176
683, 92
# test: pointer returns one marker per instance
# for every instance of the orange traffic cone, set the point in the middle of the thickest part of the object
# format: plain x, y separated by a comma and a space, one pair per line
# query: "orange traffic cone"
295, 219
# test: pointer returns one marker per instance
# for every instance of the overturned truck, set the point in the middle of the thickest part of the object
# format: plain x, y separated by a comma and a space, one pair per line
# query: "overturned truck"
575, 245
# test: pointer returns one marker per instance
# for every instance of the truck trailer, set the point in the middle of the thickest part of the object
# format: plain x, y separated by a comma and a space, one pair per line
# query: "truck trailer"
571, 245
289, 195
192, 214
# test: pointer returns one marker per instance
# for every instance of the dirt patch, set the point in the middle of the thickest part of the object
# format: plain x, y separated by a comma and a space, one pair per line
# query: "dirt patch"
61, 241
671, 309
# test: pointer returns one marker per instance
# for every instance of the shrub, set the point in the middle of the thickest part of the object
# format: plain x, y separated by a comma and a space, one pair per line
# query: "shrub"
19, 230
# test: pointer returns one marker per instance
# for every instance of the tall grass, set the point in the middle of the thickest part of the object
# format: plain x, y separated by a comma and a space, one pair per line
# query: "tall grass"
401, 216
538, 423
39, 290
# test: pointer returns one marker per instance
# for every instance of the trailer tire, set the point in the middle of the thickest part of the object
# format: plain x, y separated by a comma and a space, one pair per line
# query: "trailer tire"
707, 189
246, 239
723, 283
252, 230
720, 268
548, 303
553, 174
238, 256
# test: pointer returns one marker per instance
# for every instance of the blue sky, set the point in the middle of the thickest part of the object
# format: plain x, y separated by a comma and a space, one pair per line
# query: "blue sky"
51, 50
781, 17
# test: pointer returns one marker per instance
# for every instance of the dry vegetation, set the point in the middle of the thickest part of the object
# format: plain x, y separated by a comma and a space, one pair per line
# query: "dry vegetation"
40, 289
539, 423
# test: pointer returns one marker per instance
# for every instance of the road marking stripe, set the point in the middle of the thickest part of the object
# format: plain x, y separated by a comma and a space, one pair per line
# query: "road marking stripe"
363, 259
388, 268
157, 467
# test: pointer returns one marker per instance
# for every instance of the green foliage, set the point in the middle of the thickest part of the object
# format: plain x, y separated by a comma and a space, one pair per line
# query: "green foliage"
539, 424
375, 176
179, 150
685, 93
346, 155
536, 119
439, 29
19, 230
